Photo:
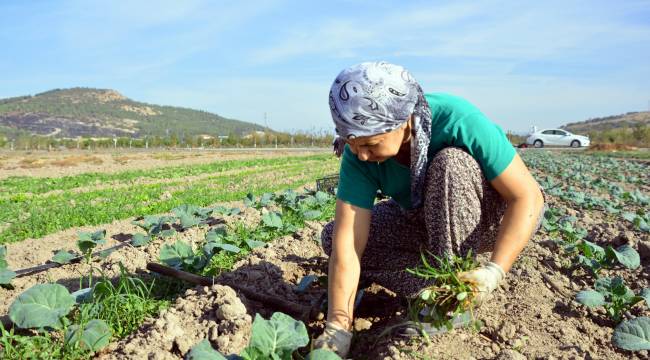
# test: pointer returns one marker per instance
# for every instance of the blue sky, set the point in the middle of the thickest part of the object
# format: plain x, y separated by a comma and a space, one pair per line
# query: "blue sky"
523, 63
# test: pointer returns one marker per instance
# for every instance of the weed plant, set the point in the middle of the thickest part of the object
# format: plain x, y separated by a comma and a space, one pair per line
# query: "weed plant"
447, 296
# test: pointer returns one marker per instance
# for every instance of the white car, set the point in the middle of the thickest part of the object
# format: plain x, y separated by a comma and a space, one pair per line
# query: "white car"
556, 137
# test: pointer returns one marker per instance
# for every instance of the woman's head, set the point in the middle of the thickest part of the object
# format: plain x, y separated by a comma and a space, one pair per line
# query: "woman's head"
380, 147
372, 98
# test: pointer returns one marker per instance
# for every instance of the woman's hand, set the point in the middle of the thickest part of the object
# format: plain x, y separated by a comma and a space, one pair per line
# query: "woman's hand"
334, 338
485, 279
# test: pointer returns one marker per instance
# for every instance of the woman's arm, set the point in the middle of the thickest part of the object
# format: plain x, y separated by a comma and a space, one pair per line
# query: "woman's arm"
351, 228
525, 203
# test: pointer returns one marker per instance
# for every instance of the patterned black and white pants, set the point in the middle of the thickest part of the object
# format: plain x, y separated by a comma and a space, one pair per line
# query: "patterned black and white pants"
461, 211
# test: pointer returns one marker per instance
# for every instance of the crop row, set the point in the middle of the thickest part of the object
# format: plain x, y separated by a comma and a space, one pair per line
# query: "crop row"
613, 187
86, 319
38, 216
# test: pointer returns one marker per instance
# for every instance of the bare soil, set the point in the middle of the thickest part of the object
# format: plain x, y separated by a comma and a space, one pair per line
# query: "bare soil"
73, 162
532, 316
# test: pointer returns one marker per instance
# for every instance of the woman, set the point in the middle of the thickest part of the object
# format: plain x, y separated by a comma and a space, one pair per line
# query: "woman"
455, 181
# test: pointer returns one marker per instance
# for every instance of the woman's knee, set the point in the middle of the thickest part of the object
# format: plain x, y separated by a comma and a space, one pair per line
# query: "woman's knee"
326, 237
453, 161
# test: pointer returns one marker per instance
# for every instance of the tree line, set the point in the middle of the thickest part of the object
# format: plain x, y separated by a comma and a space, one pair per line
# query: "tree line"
266, 139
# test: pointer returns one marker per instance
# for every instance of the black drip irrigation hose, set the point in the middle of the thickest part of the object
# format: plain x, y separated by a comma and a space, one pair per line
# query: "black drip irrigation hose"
50, 265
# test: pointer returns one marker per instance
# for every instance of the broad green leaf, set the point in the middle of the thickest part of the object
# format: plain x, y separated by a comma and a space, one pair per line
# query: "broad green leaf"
592, 250
63, 257
167, 233
645, 294
208, 248
312, 214
272, 220
217, 232
323, 354
94, 336
249, 200
627, 256
633, 335
204, 351
265, 199
175, 255
82, 295
252, 244
6, 276
188, 221
185, 209
629, 216
140, 240
89, 240
590, 298
322, 197
279, 336
42, 305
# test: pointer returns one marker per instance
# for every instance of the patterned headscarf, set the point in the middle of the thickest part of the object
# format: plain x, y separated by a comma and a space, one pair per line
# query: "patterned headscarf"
373, 98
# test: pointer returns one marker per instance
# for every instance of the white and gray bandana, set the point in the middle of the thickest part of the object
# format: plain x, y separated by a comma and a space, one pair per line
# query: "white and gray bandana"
373, 98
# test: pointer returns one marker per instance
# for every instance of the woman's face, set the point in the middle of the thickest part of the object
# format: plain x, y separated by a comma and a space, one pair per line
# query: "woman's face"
379, 148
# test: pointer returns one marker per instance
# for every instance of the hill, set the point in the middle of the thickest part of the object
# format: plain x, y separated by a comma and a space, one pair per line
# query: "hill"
87, 112
628, 120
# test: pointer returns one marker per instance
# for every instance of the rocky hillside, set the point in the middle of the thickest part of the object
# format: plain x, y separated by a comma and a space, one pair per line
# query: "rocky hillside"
106, 113
629, 120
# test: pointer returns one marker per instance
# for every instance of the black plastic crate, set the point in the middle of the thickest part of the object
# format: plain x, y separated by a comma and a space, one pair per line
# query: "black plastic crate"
328, 183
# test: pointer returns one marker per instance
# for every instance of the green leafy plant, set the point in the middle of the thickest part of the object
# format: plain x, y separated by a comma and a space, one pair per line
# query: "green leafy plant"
92, 336
613, 295
640, 220
156, 226
180, 255
595, 258
192, 215
90, 240
448, 296
63, 257
633, 335
276, 338
6, 275
41, 306
139, 240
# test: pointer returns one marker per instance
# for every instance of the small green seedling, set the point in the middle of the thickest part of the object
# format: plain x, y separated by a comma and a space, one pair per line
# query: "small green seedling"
192, 215
595, 258
90, 240
613, 295
180, 255
155, 226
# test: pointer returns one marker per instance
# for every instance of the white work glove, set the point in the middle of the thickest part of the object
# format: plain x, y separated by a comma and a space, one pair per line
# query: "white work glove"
485, 279
334, 338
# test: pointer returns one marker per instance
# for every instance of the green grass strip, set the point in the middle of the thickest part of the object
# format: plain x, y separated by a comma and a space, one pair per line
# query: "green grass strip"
34, 185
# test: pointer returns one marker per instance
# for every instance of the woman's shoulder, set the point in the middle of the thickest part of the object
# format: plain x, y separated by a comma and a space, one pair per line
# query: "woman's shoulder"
446, 101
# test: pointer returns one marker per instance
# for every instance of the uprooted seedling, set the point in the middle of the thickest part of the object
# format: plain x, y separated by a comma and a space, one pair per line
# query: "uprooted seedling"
448, 296
614, 296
